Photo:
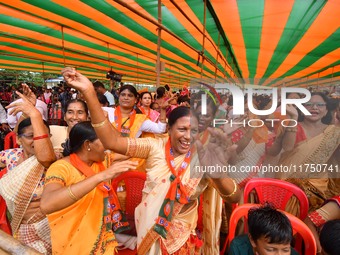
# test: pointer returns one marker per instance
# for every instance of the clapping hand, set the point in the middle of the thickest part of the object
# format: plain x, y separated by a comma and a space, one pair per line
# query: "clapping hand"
218, 151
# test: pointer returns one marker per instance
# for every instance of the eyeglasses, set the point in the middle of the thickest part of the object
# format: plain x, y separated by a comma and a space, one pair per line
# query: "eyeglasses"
27, 136
310, 105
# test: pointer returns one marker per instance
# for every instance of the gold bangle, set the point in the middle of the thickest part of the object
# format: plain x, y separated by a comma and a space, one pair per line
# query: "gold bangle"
100, 124
232, 193
70, 194
24, 116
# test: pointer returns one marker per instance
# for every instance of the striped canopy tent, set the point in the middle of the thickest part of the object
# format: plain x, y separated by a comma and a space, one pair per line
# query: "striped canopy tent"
265, 42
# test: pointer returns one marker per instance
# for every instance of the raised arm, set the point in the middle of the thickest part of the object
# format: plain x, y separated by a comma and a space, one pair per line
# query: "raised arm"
43, 148
57, 196
108, 135
219, 152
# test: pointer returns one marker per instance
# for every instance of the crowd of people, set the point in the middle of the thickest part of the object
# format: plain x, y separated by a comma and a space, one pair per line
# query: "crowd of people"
56, 196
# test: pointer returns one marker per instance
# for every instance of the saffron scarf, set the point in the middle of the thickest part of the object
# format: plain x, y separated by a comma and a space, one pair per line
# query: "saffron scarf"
113, 218
125, 131
176, 191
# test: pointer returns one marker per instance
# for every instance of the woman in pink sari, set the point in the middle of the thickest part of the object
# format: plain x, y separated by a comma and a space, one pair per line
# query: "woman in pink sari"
145, 107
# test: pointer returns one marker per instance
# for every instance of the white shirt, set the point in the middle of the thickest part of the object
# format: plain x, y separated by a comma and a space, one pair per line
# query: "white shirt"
110, 112
3, 114
110, 98
40, 105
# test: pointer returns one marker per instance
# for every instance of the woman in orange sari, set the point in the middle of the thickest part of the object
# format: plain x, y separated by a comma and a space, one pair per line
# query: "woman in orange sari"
166, 218
80, 206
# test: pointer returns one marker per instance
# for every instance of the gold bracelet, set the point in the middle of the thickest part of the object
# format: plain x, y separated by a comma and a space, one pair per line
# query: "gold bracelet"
70, 194
29, 220
100, 124
24, 116
232, 193
290, 129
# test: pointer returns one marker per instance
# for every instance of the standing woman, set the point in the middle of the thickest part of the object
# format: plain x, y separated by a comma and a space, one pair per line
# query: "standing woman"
166, 220
22, 186
314, 141
145, 106
75, 111
77, 198
130, 124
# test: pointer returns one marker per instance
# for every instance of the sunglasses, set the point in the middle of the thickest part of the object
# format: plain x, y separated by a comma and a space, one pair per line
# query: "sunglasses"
310, 105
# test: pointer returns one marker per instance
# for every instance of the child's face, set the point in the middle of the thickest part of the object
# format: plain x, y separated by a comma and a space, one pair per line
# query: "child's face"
262, 247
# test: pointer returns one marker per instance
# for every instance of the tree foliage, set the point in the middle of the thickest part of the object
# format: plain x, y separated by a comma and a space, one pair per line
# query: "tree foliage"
14, 77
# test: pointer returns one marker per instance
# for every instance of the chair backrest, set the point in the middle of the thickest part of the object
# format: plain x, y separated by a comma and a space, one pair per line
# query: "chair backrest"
134, 184
10, 141
276, 192
299, 227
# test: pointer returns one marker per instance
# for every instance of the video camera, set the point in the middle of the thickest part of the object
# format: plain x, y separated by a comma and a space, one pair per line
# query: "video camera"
114, 76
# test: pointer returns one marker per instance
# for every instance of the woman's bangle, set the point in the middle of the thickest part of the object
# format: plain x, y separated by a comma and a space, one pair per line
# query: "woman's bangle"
291, 129
232, 193
100, 124
23, 115
70, 194
40, 137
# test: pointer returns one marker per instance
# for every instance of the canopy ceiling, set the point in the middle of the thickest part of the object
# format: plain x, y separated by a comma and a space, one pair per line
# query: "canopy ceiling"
261, 41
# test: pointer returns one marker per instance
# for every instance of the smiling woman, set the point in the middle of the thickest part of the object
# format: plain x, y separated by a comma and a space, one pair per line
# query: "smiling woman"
22, 186
75, 111
168, 164
313, 141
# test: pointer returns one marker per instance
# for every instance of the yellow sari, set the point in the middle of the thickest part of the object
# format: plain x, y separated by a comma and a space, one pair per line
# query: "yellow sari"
320, 149
79, 228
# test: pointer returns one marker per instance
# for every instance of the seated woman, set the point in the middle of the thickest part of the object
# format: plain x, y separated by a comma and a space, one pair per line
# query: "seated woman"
316, 219
166, 219
77, 198
22, 186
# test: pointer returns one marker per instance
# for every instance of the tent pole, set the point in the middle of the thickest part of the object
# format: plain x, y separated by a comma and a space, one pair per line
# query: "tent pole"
217, 54
158, 62
62, 44
203, 41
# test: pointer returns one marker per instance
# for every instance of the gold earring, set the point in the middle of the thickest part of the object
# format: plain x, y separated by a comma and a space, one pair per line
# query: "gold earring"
88, 149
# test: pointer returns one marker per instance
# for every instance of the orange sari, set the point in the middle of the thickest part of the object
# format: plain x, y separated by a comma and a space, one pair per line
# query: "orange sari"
79, 228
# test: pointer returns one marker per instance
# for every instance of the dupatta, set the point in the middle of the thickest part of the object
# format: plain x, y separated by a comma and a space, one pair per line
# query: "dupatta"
17, 188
